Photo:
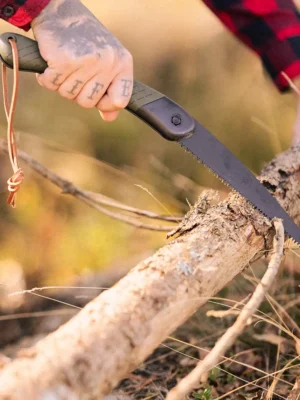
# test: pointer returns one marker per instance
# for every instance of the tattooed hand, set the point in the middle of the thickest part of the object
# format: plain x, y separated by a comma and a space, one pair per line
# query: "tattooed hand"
86, 62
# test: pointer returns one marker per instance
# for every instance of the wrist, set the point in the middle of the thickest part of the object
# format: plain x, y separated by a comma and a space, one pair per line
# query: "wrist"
57, 11
43, 14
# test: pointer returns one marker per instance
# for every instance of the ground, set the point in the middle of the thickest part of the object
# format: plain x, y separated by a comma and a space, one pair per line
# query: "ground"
262, 363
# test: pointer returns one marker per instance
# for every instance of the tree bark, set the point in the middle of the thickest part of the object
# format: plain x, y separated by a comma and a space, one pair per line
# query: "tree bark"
87, 357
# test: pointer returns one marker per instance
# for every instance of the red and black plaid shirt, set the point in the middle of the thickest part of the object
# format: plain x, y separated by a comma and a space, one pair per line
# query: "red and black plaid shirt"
270, 27
21, 12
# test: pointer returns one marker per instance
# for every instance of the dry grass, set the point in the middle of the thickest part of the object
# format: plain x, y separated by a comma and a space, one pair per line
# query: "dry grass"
263, 363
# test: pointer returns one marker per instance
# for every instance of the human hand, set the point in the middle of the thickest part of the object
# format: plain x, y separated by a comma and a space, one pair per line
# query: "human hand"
86, 63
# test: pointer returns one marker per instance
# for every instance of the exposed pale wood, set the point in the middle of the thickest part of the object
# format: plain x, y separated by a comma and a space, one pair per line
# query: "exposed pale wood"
88, 356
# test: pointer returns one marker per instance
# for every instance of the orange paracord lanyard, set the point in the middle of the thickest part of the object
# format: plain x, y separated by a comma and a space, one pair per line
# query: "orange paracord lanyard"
15, 181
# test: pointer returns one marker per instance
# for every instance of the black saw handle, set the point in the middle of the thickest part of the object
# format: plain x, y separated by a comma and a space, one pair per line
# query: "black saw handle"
165, 116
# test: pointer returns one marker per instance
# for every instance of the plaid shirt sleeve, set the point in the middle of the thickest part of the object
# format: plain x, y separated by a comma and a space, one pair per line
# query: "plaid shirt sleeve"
21, 12
270, 27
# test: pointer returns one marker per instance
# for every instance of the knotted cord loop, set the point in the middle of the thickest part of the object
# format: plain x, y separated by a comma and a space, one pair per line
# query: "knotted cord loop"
16, 180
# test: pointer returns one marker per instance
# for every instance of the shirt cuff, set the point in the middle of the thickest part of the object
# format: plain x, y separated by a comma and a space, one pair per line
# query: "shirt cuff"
21, 15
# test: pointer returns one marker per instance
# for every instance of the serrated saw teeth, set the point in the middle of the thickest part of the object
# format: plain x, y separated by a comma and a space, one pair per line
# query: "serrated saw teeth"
207, 149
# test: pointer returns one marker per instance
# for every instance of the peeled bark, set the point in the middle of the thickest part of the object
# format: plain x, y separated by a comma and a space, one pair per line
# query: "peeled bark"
90, 354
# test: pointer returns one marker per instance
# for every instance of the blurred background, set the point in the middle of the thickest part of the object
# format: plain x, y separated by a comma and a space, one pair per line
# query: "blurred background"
181, 49
52, 239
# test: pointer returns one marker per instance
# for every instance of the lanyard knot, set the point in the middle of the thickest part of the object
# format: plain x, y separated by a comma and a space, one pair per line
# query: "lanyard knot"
16, 180
14, 184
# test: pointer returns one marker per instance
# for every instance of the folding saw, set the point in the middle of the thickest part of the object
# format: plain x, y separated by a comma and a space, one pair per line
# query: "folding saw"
173, 123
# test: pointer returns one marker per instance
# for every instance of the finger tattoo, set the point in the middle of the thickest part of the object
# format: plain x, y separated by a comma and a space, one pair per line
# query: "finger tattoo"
98, 86
55, 80
126, 87
77, 83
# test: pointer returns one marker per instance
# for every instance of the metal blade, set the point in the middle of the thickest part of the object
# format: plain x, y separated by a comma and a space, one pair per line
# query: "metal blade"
212, 153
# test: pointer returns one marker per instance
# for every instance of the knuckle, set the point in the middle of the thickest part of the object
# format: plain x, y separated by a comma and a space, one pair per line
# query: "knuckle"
110, 58
127, 60
93, 59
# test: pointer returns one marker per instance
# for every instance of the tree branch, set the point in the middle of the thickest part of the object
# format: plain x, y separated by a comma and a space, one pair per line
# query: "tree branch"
90, 354
95, 200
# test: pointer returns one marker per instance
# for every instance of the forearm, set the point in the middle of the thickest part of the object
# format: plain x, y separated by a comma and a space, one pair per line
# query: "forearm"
21, 13
270, 27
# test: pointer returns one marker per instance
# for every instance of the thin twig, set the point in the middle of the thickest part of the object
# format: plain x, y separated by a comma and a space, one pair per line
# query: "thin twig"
40, 289
231, 311
261, 316
272, 374
38, 314
232, 359
223, 370
92, 199
120, 217
282, 310
100, 198
286, 315
192, 380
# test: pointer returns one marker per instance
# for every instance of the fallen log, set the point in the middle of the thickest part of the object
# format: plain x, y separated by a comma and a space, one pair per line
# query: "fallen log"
87, 357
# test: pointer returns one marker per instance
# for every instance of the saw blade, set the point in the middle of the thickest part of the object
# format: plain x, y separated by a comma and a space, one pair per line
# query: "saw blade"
213, 154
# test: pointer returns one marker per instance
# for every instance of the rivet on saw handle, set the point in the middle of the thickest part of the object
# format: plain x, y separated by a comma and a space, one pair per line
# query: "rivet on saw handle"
29, 55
